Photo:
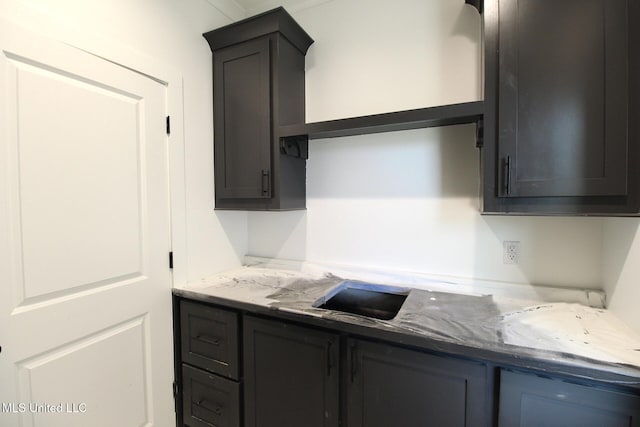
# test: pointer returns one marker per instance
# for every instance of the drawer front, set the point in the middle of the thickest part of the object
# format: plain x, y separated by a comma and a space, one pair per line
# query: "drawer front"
209, 400
209, 338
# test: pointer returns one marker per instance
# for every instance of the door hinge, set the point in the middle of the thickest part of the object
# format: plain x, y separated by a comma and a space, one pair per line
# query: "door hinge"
168, 125
175, 397
171, 260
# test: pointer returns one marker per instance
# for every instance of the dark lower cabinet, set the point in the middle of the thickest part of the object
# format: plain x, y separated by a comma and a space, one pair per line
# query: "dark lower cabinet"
391, 386
287, 374
291, 375
208, 387
530, 401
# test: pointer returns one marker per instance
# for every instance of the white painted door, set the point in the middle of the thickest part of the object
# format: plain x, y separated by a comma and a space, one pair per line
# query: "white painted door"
85, 286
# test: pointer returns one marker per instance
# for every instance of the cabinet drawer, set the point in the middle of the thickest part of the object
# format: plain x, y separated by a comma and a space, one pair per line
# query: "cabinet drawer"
209, 400
529, 400
209, 338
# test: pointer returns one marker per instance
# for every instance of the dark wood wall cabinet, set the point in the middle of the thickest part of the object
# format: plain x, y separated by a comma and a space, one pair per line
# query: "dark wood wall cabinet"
559, 128
238, 368
258, 86
562, 107
260, 134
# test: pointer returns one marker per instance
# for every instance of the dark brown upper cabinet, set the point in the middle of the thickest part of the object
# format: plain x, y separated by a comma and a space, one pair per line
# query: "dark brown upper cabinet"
562, 99
258, 86
559, 126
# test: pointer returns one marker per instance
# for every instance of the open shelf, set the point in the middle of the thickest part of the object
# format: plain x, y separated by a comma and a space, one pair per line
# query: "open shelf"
446, 115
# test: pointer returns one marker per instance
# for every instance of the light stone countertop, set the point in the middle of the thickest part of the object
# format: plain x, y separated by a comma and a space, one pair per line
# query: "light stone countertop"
563, 337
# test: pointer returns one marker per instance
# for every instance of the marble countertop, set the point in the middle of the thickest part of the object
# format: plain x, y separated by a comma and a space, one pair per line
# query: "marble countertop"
563, 337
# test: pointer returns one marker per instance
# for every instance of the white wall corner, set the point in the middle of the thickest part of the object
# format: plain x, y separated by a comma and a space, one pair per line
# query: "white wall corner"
621, 273
229, 8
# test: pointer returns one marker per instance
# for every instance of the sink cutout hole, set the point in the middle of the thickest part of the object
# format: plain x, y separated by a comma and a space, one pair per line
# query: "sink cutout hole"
365, 299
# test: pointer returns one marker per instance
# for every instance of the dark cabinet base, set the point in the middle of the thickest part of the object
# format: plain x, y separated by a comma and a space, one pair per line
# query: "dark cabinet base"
291, 375
396, 387
528, 400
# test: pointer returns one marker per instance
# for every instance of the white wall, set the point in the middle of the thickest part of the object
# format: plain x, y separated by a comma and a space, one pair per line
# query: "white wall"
168, 31
409, 200
622, 268
405, 200
374, 56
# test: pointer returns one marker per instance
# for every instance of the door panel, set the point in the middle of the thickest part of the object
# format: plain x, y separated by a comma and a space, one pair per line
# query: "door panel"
68, 223
85, 306
242, 111
291, 375
391, 386
528, 400
53, 377
563, 97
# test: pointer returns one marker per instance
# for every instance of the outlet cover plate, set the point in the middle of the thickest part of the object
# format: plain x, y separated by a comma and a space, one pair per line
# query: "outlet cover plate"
510, 252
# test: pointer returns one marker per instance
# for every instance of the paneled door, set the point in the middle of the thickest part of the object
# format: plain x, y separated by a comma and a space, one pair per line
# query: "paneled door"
85, 285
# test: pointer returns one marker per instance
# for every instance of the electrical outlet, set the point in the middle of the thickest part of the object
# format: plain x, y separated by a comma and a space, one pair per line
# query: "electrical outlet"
510, 252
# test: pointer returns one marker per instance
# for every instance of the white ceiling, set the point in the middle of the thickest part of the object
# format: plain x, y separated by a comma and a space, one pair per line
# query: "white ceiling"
251, 4
251, 7
240, 9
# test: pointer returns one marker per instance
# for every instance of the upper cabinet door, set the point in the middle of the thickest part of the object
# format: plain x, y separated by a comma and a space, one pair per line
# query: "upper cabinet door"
562, 98
242, 110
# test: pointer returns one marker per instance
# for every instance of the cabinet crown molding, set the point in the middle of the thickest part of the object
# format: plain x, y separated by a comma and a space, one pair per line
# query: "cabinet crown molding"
276, 20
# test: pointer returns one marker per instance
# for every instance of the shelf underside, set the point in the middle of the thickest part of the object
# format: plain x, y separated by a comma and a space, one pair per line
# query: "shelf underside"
446, 115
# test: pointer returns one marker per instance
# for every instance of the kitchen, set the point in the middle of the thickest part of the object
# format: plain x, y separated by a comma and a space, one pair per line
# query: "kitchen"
417, 213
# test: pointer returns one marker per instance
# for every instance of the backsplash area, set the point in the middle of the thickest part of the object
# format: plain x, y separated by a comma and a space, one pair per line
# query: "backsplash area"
409, 201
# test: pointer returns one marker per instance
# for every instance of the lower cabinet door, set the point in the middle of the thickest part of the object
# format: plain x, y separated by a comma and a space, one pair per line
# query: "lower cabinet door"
527, 400
291, 375
209, 400
391, 386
